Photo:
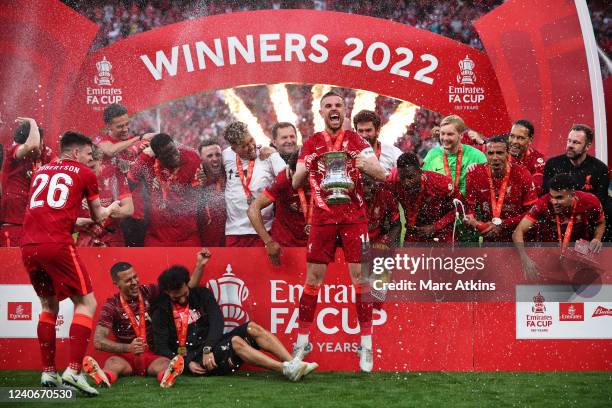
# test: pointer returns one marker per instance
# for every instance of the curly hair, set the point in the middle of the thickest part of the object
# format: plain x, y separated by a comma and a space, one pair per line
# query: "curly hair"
235, 132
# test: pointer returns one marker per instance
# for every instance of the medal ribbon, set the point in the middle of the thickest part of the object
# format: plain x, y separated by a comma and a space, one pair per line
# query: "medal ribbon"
181, 322
337, 144
497, 203
565, 238
457, 166
306, 209
249, 176
140, 327
164, 185
413, 214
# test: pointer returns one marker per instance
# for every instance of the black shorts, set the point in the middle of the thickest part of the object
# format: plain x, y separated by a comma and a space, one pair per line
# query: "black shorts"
226, 358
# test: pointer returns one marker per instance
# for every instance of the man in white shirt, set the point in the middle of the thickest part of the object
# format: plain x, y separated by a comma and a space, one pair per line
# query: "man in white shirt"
247, 176
367, 124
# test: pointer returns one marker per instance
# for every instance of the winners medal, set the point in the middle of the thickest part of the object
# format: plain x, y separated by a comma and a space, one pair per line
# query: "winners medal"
181, 322
246, 179
497, 200
139, 326
306, 209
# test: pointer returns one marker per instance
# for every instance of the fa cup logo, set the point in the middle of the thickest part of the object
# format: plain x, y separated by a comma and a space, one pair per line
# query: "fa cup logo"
230, 291
467, 75
104, 77
538, 304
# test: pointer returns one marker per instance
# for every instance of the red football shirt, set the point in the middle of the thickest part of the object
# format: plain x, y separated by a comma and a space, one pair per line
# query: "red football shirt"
289, 221
520, 195
174, 201
534, 162
381, 211
16, 177
113, 317
587, 214
126, 159
113, 185
436, 207
212, 214
55, 201
352, 212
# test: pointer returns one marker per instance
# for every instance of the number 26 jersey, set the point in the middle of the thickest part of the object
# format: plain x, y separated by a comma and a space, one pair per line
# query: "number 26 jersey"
56, 192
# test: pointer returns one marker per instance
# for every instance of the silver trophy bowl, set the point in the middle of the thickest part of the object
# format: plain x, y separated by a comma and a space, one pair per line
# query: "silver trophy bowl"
336, 181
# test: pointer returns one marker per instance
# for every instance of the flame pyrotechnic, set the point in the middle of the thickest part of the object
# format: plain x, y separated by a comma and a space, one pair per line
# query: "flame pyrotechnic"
242, 113
282, 107
363, 100
398, 121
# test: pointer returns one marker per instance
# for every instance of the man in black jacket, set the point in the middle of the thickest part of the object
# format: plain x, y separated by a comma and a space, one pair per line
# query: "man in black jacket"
189, 322
590, 173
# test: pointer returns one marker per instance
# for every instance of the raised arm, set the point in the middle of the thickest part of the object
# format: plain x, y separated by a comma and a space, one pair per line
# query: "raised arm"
32, 143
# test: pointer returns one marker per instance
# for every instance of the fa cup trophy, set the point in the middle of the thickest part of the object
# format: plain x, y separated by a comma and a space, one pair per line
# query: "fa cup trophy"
336, 181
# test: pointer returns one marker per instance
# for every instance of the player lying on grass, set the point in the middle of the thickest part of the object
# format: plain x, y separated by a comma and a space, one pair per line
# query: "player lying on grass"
188, 324
127, 315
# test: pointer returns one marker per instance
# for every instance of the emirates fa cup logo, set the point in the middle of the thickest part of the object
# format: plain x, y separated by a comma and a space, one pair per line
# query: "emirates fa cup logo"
230, 291
538, 304
466, 74
104, 77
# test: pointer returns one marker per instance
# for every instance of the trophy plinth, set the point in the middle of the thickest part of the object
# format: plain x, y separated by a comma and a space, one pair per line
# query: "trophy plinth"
336, 181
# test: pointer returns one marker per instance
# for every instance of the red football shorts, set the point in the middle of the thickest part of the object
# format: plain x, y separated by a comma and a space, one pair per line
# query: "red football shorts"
324, 239
56, 270
139, 363
10, 235
243, 241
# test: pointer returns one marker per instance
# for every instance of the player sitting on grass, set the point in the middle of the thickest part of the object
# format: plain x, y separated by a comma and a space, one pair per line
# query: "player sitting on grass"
127, 315
189, 323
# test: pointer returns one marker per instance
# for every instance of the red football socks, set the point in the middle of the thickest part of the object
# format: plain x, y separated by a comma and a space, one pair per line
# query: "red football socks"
308, 306
46, 339
112, 377
364, 308
80, 331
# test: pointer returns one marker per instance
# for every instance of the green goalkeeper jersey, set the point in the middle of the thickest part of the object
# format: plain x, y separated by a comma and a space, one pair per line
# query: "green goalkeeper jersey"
434, 161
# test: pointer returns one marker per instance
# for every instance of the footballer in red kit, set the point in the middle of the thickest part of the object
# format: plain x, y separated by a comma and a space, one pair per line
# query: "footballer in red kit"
121, 150
113, 186
211, 201
292, 213
48, 253
336, 224
23, 158
501, 191
427, 198
170, 176
521, 152
127, 316
563, 215
382, 210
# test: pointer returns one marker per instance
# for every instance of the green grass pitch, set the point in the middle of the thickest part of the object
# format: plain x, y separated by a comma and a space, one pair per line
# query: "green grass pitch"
343, 389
